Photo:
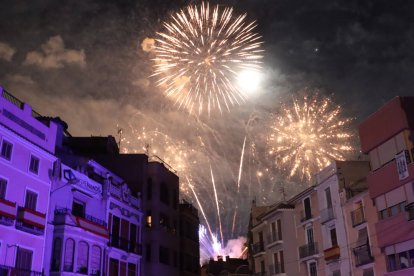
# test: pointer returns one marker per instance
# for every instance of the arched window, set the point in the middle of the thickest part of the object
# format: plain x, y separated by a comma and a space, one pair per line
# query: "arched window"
57, 249
82, 260
96, 260
69, 251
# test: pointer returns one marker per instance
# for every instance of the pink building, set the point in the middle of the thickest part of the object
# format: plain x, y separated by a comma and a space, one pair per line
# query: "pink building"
26, 159
387, 136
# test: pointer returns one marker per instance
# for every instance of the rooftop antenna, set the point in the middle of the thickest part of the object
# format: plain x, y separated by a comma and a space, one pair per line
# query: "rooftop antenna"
120, 130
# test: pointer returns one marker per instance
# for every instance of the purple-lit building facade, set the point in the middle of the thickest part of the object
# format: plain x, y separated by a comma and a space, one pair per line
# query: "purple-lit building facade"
96, 226
26, 161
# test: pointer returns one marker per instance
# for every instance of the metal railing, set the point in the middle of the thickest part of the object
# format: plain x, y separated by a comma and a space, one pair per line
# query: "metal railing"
125, 244
274, 237
327, 214
363, 255
67, 211
11, 271
308, 250
12, 99
304, 216
257, 247
276, 269
358, 216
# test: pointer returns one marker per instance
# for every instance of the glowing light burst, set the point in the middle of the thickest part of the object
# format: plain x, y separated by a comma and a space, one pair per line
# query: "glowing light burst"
308, 135
200, 54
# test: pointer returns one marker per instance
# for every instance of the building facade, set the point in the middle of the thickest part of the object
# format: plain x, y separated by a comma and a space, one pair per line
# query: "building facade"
340, 180
26, 159
308, 233
95, 224
387, 137
274, 248
361, 217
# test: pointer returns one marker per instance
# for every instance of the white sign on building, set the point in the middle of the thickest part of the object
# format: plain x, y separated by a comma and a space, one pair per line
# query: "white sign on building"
402, 169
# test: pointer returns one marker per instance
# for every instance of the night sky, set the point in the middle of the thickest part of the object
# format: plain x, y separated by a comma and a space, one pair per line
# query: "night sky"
82, 61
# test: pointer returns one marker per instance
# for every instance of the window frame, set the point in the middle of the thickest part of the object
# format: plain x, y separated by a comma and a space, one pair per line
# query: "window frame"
37, 199
9, 158
34, 157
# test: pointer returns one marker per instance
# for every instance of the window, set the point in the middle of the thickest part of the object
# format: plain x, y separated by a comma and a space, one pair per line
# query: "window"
57, 249
274, 234
392, 262
309, 235
69, 252
393, 210
279, 229
149, 188
328, 198
31, 200
116, 222
82, 260
6, 150
334, 240
164, 255
164, 193
261, 241
336, 273
96, 260
24, 259
148, 252
313, 271
113, 267
132, 269
34, 164
78, 209
149, 219
262, 267
307, 207
3, 186
164, 220
133, 238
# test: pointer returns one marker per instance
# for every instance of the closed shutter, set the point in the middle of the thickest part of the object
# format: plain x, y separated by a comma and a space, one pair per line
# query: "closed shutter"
24, 259
95, 259
69, 251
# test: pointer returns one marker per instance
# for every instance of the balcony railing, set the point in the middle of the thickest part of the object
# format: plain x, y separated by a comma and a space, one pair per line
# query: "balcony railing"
11, 271
276, 269
274, 237
125, 244
257, 248
332, 253
358, 217
12, 99
307, 250
67, 211
30, 221
327, 215
363, 255
7, 212
304, 216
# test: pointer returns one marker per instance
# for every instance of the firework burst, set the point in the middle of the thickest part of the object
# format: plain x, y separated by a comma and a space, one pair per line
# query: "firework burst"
308, 135
200, 55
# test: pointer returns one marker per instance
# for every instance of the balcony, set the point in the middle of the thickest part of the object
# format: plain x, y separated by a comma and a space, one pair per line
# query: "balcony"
304, 216
276, 269
30, 221
85, 221
7, 270
410, 210
327, 214
358, 217
7, 212
273, 238
308, 250
332, 253
125, 244
362, 255
257, 248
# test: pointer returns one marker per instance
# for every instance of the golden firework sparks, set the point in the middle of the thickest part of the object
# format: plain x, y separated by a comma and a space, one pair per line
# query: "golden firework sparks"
201, 52
308, 135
